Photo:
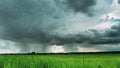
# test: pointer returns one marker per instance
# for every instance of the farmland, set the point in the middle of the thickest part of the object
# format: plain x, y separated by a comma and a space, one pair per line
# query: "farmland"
61, 61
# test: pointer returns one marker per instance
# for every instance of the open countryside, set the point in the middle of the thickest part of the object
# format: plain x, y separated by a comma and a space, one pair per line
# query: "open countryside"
61, 61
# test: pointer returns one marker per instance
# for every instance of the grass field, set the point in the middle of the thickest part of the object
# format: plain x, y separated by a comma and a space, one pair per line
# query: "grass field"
61, 61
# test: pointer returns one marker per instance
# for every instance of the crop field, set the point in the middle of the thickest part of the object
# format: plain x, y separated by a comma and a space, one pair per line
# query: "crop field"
61, 61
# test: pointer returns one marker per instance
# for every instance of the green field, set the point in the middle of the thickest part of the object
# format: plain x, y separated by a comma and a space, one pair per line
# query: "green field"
61, 61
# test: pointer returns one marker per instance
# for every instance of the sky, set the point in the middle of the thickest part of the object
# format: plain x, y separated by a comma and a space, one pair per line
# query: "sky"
52, 26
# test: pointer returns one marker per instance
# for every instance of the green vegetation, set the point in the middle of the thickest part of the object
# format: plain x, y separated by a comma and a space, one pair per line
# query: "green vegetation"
61, 61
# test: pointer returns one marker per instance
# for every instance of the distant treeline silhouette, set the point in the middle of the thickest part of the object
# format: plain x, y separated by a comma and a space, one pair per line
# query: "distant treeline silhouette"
35, 53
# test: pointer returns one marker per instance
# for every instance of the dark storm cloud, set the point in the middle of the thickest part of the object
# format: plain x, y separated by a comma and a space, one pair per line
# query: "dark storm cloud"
105, 40
111, 36
27, 20
115, 31
83, 6
79, 38
34, 21
38, 24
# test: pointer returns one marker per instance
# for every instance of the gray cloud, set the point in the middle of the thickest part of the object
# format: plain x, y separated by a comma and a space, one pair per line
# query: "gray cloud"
115, 31
119, 1
27, 20
83, 6
49, 22
35, 21
105, 40
111, 36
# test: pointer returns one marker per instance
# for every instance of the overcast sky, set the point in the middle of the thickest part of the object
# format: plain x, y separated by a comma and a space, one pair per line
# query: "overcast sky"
59, 26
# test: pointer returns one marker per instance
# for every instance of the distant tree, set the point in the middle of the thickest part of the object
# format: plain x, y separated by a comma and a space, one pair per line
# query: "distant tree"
33, 53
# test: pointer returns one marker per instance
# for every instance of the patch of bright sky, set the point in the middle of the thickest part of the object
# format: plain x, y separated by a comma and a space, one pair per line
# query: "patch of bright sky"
8, 47
82, 49
57, 49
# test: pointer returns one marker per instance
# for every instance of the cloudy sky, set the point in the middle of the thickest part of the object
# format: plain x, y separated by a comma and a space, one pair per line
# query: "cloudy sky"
59, 26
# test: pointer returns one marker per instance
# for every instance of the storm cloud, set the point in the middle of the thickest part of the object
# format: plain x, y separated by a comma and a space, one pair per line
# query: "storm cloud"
36, 20
27, 20
119, 1
84, 6
48, 22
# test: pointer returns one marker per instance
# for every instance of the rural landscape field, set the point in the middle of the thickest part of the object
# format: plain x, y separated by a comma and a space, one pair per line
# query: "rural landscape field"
61, 61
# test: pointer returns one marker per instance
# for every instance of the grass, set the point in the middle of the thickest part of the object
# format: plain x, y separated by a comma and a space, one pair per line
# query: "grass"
61, 61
